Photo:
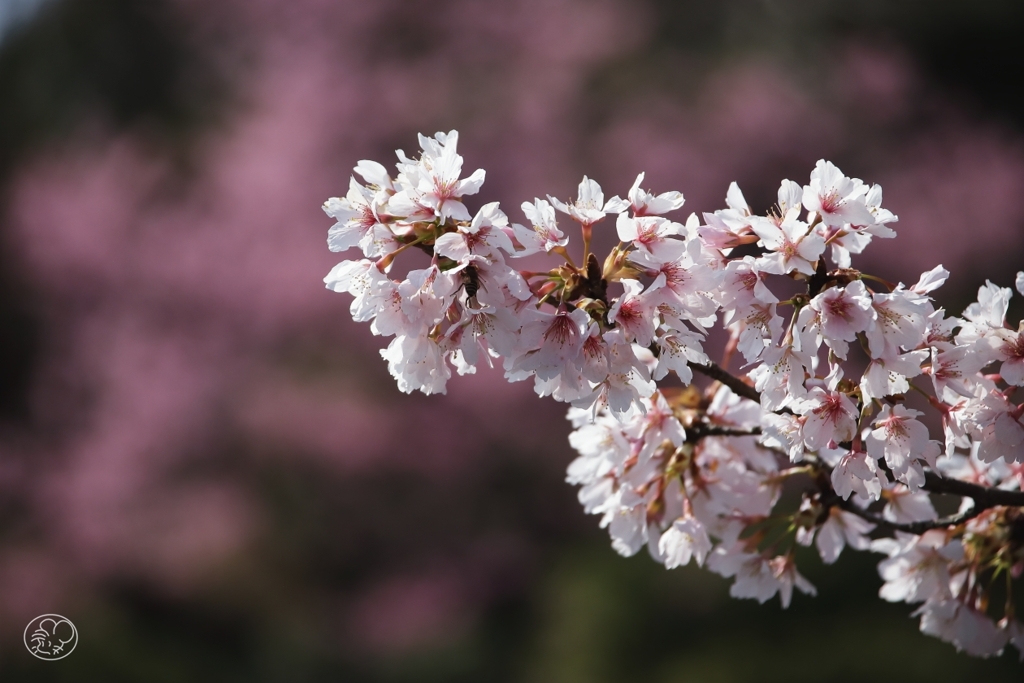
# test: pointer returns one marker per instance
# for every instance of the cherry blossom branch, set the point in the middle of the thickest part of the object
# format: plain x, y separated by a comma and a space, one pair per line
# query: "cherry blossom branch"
606, 353
984, 497
699, 431
908, 527
719, 374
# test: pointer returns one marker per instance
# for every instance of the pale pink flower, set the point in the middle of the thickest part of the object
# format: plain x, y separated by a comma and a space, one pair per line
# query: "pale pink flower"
435, 181
790, 196
955, 368
589, 207
918, 566
791, 245
889, 376
676, 349
983, 329
493, 280
389, 315
549, 344
899, 321
658, 425
544, 234
930, 280
635, 314
627, 523
989, 311
627, 383
594, 355
1011, 353
1002, 432
829, 417
485, 236
728, 228
853, 239
686, 538
644, 203
417, 363
860, 474
758, 577
838, 314
492, 330
839, 530
782, 432
742, 285
426, 295
653, 235
357, 216
364, 282
685, 284
839, 200
904, 505
759, 329
899, 438
780, 376
967, 628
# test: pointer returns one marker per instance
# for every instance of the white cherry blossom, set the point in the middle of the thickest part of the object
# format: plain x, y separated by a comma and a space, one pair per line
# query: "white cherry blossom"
829, 417
839, 200
357, 215
685, 539
889, 376
904, 505
918, 566
899, 438
589, 207
839, 530
635, 313
791, 244
899, 321
759, 577
435, 181
860, 474
838, 314
544, 234
485, 236
967, 628
643, 203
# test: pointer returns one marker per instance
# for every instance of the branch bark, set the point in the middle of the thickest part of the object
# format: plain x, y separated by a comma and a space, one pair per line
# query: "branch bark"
719, 374
698, 431
908, 527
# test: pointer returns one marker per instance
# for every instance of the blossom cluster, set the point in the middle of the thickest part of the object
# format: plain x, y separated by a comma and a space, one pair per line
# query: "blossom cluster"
831, 405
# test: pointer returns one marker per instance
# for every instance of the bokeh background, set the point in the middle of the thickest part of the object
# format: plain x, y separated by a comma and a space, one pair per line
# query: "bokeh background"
203, 461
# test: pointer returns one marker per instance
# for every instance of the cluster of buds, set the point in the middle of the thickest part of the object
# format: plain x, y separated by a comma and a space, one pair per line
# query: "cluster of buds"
837, 376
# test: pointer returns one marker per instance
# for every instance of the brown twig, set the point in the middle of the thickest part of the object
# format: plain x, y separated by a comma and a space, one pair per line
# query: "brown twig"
908, 527
699, 431
738, 386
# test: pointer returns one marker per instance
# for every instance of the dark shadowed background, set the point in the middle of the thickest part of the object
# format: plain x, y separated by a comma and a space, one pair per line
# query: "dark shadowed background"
204, 463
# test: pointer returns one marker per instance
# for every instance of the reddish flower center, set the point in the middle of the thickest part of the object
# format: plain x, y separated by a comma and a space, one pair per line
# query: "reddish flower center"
831, 202
831, 410
839, 307
562, 330
1015, 347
